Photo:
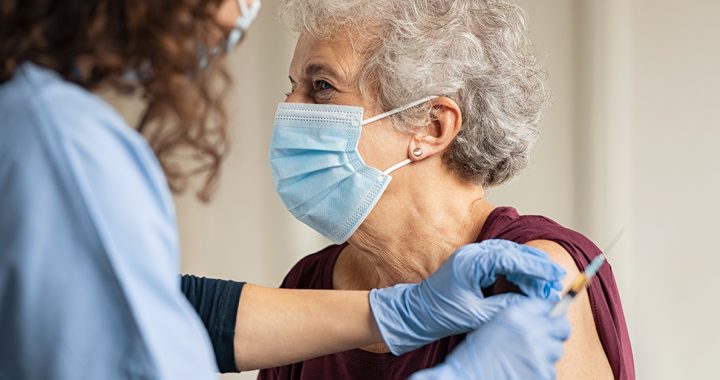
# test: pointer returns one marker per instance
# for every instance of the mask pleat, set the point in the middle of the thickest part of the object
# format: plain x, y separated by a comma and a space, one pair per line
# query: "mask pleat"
303, 139
298, 189
291, 166
365, 187
332, 195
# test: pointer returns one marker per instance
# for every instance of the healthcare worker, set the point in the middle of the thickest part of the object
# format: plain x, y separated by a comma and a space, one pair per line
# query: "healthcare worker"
88, 239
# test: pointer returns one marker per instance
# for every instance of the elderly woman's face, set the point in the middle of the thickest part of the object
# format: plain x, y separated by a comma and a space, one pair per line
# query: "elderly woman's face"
325, 71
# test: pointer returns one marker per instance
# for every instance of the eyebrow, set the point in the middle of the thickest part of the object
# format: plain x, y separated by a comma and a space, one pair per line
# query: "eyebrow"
319, 68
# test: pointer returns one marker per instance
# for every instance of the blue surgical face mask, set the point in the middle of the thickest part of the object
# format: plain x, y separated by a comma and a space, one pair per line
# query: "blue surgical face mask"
242, 24
318, 171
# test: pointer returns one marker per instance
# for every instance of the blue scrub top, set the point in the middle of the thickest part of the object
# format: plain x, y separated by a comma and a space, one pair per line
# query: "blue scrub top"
89, 257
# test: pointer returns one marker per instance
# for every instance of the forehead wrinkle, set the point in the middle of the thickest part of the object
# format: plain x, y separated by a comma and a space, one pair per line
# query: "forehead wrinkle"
339, 53
339, 57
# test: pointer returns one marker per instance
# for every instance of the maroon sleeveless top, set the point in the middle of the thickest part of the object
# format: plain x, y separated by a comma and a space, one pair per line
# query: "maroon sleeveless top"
316, 272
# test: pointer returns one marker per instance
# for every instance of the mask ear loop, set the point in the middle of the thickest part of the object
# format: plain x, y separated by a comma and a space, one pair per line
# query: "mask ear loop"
247, 15
397, 110
243, 7
393, 112
397, 166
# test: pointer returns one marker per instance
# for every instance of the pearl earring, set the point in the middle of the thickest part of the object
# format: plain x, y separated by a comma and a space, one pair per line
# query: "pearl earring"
418, 152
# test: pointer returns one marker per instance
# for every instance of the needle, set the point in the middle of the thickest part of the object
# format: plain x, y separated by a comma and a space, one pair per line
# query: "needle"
582, 281
613, 243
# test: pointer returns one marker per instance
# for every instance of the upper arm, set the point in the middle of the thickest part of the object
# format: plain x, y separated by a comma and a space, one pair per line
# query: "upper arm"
584, 356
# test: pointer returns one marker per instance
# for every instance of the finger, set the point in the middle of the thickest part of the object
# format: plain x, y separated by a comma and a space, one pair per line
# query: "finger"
547, 372
535, 309
537, 288
492, 306
536, 279
530, 266
494, 257
559, 328
533, 251
554, 350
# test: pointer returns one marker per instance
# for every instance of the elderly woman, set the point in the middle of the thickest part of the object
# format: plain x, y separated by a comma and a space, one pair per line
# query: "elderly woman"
444, 98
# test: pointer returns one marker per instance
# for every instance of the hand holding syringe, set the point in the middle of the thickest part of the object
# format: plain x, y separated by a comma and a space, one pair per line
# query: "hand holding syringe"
582, 281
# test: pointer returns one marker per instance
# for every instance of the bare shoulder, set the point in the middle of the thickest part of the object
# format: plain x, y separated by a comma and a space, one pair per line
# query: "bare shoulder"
559, 255
584, 357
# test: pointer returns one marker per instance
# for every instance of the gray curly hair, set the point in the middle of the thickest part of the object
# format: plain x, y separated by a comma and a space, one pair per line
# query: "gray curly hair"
476, 52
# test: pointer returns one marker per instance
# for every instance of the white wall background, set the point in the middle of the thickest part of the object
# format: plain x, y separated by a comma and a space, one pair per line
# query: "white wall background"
676, 129
629, 144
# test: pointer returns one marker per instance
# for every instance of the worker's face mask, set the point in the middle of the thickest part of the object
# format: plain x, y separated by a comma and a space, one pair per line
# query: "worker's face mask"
242, 24
318, 171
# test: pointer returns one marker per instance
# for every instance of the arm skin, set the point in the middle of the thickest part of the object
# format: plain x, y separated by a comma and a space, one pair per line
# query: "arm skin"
276, 327
584, 354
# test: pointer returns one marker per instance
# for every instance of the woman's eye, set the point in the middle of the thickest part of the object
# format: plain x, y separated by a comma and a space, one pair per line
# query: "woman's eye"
322, 85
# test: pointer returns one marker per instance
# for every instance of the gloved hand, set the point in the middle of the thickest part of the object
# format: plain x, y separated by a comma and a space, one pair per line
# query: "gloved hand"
521, 343
451, 301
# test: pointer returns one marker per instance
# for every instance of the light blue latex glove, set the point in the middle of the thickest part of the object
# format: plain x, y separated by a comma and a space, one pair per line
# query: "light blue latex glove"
451, 301
521, 343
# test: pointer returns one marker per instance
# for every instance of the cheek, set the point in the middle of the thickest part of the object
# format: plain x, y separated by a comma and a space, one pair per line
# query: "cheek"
381, 146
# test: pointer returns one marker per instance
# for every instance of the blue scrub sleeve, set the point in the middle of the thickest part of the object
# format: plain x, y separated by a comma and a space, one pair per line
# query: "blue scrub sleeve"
216, 302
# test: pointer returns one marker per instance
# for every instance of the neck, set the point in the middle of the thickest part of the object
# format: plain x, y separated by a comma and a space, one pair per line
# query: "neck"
410, 234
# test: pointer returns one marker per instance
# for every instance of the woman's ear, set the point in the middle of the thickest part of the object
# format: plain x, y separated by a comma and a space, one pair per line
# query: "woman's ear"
445, 124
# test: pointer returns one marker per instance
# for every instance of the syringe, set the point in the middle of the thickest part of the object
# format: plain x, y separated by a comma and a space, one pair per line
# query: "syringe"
582, 281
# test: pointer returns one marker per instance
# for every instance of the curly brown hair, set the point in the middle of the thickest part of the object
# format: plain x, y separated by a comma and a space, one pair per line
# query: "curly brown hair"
164, 39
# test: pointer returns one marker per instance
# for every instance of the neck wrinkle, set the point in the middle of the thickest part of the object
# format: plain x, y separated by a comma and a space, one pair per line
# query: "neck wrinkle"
407, 249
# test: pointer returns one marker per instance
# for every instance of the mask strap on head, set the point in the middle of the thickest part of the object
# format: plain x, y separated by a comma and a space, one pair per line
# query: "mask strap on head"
243, 7
247, 16
398, 110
